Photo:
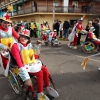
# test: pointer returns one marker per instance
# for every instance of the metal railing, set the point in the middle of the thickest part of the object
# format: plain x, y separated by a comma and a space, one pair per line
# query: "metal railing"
58, 9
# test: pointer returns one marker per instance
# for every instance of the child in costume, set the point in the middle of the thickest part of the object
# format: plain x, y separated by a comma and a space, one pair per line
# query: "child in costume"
45, 26
53, 35
28, 63
7, 38
77, 29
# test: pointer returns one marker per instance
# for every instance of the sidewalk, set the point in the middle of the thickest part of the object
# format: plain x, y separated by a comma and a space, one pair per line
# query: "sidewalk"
82, 38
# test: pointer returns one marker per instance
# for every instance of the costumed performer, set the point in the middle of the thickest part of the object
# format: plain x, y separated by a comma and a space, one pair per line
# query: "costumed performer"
45, 27
73, 37
28, 63
8, 36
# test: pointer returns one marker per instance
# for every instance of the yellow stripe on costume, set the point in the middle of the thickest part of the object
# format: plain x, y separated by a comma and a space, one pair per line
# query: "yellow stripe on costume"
28, 56
7, 42
94, 37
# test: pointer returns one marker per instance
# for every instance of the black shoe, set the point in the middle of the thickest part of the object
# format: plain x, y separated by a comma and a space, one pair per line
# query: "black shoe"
79, 44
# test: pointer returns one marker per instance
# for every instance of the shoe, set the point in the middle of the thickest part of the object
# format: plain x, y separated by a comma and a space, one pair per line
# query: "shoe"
67, 39
38, 42
74, 47
52, 92
69, 46
98, 69
42, 96
79, 44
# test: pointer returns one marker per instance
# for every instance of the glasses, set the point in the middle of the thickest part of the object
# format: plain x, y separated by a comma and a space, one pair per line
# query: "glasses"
5, 22
25, 37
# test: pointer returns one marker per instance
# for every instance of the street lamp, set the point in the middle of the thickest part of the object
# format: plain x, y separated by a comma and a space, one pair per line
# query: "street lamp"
53, 12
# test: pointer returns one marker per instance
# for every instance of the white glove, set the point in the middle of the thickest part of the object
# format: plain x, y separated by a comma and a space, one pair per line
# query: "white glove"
84, 31
23, 73
3, 46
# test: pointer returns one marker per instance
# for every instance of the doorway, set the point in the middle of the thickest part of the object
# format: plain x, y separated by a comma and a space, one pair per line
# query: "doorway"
72, 22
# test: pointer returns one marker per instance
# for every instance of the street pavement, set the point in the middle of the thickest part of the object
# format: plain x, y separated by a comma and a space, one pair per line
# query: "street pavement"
71, 81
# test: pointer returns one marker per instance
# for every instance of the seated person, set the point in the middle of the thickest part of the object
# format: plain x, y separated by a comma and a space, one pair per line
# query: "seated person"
7, 37
28, 63
53, 35
91, 36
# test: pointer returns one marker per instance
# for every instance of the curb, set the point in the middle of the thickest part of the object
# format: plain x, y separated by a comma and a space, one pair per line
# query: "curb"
63, 39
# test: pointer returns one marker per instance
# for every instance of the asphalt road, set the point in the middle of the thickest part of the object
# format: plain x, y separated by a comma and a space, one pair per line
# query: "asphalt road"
71, 81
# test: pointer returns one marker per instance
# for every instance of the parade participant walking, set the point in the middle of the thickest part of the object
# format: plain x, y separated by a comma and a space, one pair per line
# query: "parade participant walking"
73, 37
31, 65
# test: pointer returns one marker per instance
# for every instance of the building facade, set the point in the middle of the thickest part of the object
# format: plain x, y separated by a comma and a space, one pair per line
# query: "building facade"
40, 10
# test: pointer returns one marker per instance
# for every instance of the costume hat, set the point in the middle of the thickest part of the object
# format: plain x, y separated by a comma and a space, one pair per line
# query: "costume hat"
5, 16
82, 18
25, 32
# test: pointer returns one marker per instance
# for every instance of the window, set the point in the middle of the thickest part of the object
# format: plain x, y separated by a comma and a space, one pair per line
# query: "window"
56, 3
81, 0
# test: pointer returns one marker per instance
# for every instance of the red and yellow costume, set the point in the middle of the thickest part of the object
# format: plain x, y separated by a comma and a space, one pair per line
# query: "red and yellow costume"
73, 37
91, 36
45, 28
41, 73
26, 58
7, 36
78, 29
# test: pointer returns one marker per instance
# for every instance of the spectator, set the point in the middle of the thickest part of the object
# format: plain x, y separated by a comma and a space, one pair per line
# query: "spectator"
60, 28
74, 23
35, 30
66, 28
31, 30
56, 26
83, 8
35, 5
86, 8
96, 26
73, 7
88, 26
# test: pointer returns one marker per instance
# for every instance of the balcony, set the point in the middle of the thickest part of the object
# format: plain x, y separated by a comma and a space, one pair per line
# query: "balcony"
58, 9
